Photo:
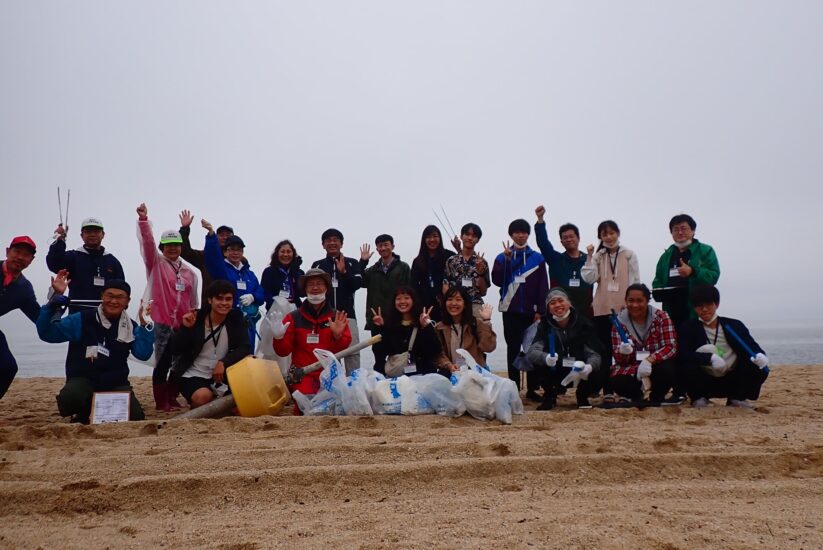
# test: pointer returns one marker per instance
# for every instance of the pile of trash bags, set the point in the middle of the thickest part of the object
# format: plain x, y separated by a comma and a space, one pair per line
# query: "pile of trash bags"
473, 389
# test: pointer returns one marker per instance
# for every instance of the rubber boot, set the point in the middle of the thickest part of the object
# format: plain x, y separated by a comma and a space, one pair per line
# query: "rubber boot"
173, 392
161, 397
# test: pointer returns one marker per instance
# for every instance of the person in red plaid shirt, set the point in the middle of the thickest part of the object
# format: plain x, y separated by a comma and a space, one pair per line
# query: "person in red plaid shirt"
649, 352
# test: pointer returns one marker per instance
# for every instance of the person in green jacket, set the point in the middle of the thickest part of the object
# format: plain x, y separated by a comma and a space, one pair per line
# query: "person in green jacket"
381, 280
684, 265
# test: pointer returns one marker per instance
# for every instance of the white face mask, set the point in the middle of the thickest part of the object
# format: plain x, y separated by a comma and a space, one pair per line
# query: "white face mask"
316, 298
710, 321
683, 244
562, 317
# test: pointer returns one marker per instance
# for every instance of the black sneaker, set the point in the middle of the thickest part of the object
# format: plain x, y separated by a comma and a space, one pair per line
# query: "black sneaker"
583, 403
547, 404
533, 396
673, 400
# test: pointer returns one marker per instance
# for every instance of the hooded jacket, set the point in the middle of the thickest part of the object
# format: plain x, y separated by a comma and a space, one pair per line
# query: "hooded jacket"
304, 322
521, 297
577, 340
220, 268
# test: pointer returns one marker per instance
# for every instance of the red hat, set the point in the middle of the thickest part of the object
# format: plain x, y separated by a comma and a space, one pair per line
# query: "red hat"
24, 240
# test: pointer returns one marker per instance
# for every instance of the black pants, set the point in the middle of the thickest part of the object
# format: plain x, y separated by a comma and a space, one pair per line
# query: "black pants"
75, 397
663, 378
603, 330
514, 325
8, 366
743, 382
551, 378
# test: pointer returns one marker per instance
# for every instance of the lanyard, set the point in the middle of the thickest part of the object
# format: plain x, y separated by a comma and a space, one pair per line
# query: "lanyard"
214, 335
613, 265
636, 332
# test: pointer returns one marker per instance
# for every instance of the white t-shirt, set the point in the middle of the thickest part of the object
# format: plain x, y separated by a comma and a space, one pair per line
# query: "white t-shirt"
210, 354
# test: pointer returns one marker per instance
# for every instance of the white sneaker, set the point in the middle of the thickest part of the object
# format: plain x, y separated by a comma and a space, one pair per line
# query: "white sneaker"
700, 403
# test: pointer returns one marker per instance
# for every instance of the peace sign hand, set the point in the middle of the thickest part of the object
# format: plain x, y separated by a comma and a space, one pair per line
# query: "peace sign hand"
377, 317
481, 266
507, 249
425, 318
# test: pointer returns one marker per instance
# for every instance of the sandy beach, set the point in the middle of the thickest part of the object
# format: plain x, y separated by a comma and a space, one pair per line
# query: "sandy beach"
656, 478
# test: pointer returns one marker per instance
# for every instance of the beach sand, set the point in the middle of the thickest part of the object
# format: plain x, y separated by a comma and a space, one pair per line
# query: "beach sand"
668, 478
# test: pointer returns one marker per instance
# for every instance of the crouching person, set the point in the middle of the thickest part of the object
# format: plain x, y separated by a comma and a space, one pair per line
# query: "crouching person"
719, 356
100, 341
648, 352
565, 350
207, 343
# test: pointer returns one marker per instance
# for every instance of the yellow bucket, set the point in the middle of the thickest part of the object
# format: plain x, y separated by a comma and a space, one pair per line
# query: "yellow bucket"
257, 386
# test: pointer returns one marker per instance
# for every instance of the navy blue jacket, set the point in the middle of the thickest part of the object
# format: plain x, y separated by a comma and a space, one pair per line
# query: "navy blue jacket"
83, 266
19, 294
273, 278
563, 268
692, 335
342, 297
82, 330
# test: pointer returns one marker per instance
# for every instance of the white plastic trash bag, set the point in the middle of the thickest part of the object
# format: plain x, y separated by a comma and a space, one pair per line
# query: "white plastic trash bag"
440, 395
264, 346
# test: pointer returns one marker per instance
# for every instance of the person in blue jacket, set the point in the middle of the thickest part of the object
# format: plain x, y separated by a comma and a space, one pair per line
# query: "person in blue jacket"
89, 266
100, 341
227, 264
565, 267
16, 292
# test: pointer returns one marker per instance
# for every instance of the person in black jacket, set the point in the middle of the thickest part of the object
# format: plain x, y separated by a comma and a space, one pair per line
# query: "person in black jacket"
718, 356
280, 277
346, 278
407, 318
209, 341
89, 266
428, 270
565, 350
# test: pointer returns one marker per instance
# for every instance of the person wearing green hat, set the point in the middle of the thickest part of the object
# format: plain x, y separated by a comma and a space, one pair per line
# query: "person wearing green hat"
90, 265
172, 290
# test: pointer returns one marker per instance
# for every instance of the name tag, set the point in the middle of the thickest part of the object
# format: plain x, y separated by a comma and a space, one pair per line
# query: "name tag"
410, 368
467, 281
102, 350
284, 294
312, 338
520, 279
613, 286
334, 283
180, 286
99, 281
641, 355
574, 282
569, 361
241, 285
673, 272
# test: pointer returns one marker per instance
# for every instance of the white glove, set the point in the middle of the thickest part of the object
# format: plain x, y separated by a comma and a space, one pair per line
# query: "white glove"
718, 363
626, 348
580, 371
551, 360
760, 360
246, 300
644, 369
278, 328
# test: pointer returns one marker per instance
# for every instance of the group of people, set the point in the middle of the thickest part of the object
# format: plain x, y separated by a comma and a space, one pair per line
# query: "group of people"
571, 319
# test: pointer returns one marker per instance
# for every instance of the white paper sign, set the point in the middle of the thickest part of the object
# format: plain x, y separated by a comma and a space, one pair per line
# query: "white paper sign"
110, 406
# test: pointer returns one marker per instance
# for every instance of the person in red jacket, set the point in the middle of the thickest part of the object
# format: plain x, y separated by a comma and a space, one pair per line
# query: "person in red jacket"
313, 326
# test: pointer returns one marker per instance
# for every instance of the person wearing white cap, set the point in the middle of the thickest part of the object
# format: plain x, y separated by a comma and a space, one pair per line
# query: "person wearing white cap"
173, 292
89, 266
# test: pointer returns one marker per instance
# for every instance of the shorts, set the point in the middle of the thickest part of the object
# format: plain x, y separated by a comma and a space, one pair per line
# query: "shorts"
190, 384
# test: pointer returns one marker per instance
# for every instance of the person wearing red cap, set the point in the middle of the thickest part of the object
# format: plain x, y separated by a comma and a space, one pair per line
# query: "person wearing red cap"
16, 293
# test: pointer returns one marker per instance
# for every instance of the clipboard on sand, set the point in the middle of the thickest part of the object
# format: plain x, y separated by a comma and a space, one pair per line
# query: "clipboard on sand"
110, 406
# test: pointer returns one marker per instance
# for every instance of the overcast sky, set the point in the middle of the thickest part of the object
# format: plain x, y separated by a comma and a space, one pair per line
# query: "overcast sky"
285, 118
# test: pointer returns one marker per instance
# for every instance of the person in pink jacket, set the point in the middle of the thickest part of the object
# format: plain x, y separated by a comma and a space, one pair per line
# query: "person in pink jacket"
173, 291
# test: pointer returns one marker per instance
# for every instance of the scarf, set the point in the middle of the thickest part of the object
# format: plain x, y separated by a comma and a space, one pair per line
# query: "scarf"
125, 328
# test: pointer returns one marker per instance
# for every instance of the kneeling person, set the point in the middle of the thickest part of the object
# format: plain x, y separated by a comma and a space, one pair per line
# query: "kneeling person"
208, 342
100, 341
719, 356
565, 350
